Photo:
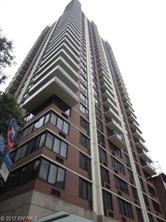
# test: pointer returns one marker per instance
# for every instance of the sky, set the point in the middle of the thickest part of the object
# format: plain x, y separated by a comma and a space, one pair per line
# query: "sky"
136, 30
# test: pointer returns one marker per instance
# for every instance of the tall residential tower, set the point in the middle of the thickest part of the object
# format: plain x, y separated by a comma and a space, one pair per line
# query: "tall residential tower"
81, 150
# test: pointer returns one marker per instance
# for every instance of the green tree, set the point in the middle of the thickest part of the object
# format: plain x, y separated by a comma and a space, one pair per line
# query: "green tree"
8, 110
6, 57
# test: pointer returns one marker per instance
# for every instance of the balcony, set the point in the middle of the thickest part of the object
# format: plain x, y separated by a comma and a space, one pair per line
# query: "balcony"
141, 145
134, 125
137, 134
145, 156
113, 125
61, 74
111, 113
149, 168
129, 110
64, 60
53, 87
116, 138
130, 115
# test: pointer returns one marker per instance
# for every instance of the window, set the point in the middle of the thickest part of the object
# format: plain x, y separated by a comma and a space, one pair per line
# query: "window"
60, 147
107, 200
98, 112
44, 169
83, 109
156, 206
100, 138
49, 117
134, 192
131, 177
118, 166
84, 99
104, 176
115, 150
125, 208
53, 119
142, 184
150, 218
85, 163
121, 185
84, 141
39, 123
85, 189
126, 159
151, 190
139, 215
59, 123
146, 200
102, 156
49, 141
99, 124
83, 88
84, 124
53, 174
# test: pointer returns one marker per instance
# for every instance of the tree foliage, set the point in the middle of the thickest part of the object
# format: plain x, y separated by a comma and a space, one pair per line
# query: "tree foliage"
6, 57
8, 110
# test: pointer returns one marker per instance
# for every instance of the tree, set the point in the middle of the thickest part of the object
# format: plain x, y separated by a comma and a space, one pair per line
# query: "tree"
6, 57
8, 110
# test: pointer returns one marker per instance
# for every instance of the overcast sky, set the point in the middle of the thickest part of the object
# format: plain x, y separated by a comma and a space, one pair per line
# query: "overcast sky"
136, 30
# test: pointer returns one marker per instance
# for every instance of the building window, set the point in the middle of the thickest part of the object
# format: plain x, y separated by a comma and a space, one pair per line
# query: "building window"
131, 177
115, 150
83, 88
84, 124
139, 215
49, 117
84, 99
104, 176
126, 159
85, 189
118, 166
98, 112
21, 176
146, 200
102, 156
83, 109
44, 169
151, 190
47, 140
85, 163
156, 206
121, 185
134, 192
150, 218
125, 208
99, 124
107, 200
100, 138
84, 141
53, 174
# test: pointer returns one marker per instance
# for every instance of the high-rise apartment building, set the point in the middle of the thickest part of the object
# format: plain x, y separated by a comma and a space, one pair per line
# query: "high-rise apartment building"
81, 150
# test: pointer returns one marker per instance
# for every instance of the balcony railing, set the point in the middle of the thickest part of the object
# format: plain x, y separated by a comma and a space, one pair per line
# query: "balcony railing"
53, 87
116, 138
111, 112
145, 156
141, 145
149, 168
113, 125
